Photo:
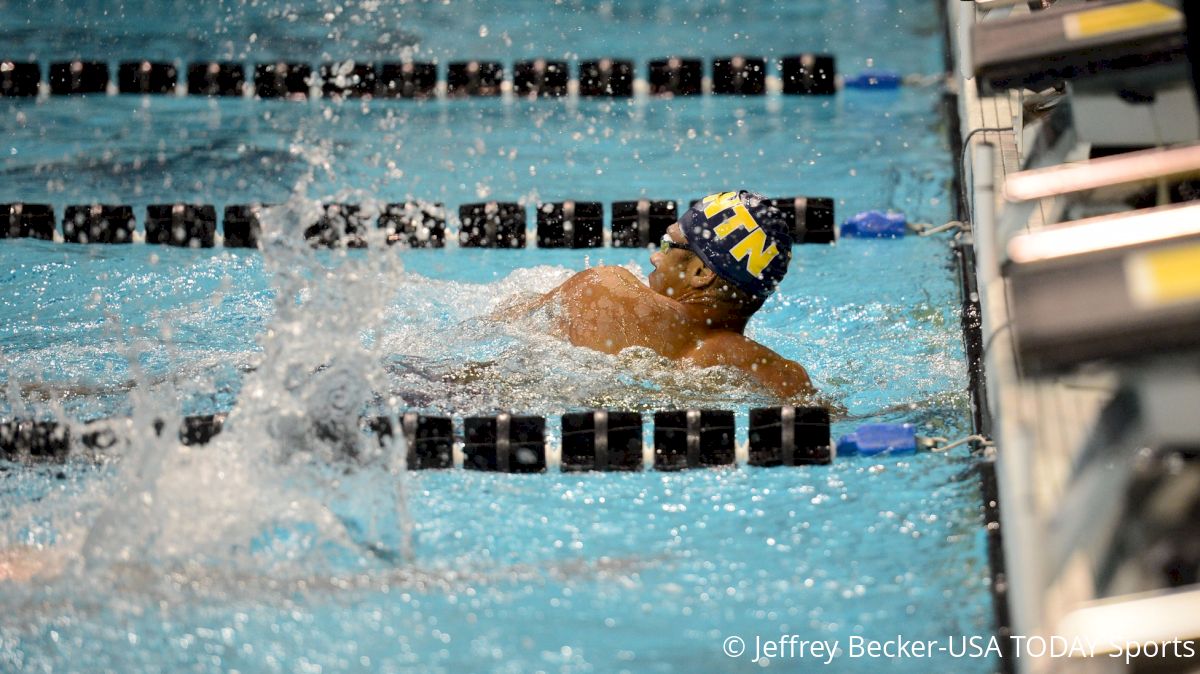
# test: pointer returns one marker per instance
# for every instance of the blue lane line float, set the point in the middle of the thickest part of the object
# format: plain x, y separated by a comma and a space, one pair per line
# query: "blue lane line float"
873, 78
875, 225
875, 439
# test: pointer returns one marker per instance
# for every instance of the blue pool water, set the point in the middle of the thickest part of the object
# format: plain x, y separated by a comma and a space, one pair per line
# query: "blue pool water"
243, 557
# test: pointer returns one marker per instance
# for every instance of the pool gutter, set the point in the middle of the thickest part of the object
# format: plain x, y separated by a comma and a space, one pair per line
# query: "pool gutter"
955, 111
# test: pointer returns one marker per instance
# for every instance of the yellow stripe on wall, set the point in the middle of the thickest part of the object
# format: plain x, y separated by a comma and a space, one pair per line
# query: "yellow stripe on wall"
1166, 276
1104, 20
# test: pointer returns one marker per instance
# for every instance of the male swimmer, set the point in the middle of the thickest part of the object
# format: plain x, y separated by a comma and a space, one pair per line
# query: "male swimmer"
714, 268
712, 271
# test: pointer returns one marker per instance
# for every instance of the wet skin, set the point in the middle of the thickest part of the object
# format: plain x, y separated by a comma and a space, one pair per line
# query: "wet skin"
608, 309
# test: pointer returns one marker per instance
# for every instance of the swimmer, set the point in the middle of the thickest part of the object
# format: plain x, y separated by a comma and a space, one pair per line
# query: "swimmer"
713, 270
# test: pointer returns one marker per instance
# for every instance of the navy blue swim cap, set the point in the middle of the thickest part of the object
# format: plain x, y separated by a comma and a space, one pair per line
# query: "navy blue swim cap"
742, 238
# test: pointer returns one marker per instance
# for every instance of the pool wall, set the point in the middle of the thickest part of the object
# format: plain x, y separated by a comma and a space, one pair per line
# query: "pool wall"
959, 134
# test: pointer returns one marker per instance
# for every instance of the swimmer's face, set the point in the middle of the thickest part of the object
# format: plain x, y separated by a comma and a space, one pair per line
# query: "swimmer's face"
670, 267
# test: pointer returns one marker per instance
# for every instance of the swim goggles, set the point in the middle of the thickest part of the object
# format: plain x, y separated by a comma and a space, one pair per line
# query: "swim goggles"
666, 244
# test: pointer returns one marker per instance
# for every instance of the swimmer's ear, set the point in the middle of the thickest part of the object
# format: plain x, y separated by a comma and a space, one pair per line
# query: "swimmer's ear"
699, 276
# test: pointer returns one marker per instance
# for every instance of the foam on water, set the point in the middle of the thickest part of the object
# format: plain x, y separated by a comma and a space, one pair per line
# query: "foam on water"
291, 456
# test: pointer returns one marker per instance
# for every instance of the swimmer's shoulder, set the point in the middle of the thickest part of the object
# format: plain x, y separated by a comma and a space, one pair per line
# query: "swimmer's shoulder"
608, 274
611, 280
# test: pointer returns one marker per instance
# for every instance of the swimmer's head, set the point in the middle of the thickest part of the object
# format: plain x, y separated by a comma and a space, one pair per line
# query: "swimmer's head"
742, 238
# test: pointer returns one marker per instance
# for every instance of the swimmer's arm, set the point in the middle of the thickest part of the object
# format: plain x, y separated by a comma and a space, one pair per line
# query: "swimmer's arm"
786, 378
